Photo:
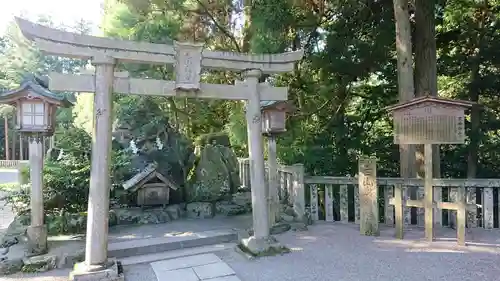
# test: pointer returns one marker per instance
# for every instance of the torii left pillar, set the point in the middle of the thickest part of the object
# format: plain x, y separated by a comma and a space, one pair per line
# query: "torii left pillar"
96, 266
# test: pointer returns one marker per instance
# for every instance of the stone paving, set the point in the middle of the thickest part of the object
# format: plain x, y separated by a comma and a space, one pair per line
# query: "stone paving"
194, 268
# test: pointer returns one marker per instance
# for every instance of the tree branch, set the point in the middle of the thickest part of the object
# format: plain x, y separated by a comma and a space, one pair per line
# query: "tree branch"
219, 26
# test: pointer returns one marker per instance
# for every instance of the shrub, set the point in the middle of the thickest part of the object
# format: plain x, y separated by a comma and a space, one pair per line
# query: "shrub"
66, 180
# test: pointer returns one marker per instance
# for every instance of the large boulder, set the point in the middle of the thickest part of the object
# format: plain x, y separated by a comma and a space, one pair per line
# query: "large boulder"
154, 140
215, 176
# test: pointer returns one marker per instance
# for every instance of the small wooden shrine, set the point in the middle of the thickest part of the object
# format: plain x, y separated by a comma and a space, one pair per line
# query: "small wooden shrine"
152, 187
429, 120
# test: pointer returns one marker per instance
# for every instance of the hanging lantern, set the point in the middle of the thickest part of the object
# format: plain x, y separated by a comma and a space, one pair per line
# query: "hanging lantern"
274, 116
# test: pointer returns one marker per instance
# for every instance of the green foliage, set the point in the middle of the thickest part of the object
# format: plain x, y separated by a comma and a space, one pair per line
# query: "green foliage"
340, 87
66, 180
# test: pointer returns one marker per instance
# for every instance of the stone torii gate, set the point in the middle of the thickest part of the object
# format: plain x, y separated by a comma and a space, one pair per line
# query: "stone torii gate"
189, 59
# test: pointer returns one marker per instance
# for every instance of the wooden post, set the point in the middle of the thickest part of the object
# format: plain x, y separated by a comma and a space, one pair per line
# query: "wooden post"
6, 128
21, 147
299, 199
344, 207
487, 207
368, 191
461, 215
398, 210
389, 209
272, 182
429, 198
314, 202
329, 203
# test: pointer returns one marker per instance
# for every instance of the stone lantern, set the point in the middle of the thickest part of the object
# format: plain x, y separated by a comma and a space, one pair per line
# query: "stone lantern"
273, 115
36, 111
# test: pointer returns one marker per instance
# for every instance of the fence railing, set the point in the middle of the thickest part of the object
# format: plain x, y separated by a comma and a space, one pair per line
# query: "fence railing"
337, 198
290, 182
11, 164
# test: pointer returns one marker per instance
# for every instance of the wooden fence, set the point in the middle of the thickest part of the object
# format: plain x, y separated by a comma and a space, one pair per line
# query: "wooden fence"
337, 198
290, 180
12, 164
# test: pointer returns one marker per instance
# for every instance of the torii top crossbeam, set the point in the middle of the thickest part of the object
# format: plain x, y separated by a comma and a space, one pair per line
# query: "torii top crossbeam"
57, 42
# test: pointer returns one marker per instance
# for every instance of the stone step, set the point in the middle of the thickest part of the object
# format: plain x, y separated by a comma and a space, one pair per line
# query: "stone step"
194, 268
146, 246
177, 254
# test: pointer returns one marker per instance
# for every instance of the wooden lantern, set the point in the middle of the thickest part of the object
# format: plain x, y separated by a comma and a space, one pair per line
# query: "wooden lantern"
274, 116
429, 120
36, 107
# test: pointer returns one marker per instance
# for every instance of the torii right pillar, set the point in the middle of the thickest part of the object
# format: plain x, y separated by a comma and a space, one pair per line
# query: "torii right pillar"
261, 242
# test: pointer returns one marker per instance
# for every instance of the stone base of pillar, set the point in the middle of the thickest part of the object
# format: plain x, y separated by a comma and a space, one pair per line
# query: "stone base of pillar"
261, 247
37, 240
112, 272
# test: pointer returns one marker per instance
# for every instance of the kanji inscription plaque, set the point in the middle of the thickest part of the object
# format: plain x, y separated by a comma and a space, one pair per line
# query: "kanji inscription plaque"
429, 120
188, 66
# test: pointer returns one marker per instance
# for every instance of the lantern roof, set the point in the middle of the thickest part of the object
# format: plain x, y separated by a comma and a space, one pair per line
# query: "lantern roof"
33, 86
436, 100
279, 105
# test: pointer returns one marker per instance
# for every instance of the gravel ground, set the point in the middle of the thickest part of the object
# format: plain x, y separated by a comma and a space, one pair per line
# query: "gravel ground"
338, 252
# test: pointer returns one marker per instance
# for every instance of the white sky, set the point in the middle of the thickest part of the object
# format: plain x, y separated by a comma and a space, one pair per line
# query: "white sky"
61, 11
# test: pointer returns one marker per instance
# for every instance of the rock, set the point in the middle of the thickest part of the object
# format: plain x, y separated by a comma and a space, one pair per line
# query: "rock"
298, 226
68, 260
10, 266
280, 228
243, 199
201, 210
275, 229
287, 218
229, 209
232, 165
39, 263
4, 251
158, 142
260, 247
174, 211
289, 211
112, 218
15, 230
215, 175
139, 216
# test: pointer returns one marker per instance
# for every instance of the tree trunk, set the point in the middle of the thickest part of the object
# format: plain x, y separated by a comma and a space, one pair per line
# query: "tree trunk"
406, 89
475, 122
475, 114
247, 32
426, 68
